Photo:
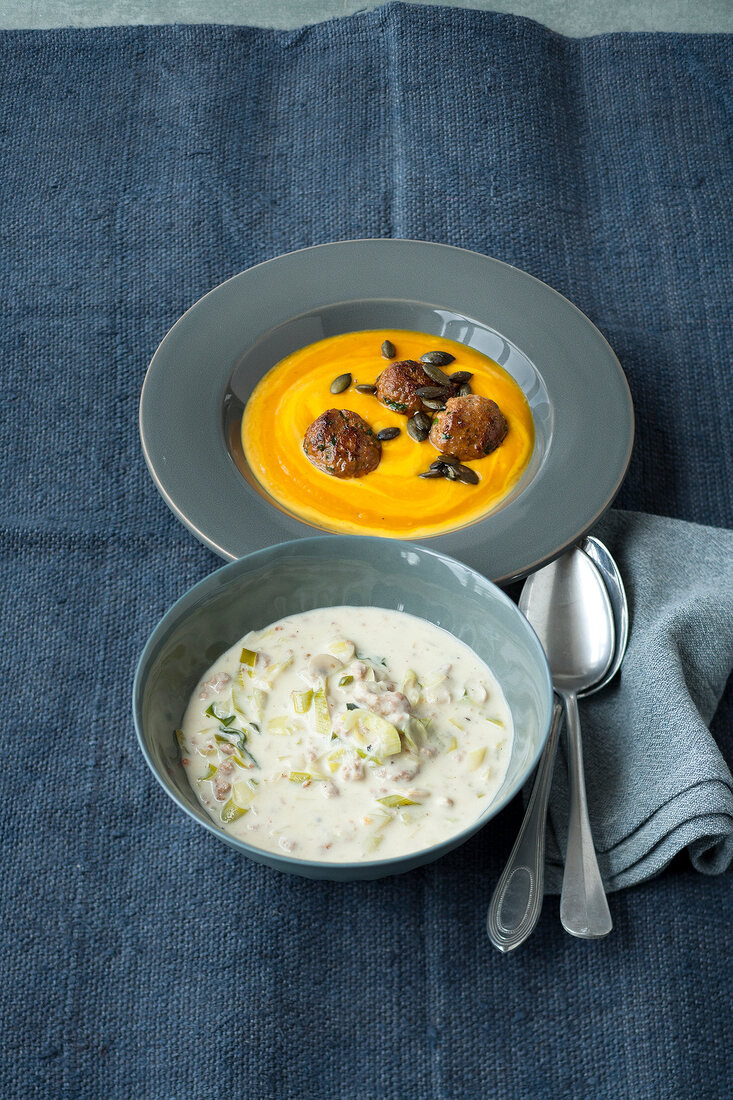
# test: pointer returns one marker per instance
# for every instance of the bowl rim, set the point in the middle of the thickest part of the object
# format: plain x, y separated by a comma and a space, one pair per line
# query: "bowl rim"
161, 630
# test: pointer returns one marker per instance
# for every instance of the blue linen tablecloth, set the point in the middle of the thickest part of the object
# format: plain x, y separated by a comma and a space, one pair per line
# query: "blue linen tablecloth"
140, 167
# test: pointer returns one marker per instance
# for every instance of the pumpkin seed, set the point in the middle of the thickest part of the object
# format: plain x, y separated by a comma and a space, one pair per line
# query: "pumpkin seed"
387, 433
363, 387
437, 405
433, 391
437, 465
451, 472
450, 460
436, 374
431, 473
438, 358
423, 421
341, 383
415, 431
464, 390
461, 376
388, 350
466, 474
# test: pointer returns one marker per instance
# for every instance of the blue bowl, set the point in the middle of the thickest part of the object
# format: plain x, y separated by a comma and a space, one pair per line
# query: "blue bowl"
330, 571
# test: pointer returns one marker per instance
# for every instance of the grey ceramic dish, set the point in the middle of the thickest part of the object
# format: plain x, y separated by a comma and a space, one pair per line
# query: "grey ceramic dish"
329, 571
206, 367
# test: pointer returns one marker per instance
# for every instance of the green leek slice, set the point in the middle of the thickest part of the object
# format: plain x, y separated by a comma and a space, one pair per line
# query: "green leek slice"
230, 811
302, 701
209, 774
248, 660
323, 716
393, 800
299, 777
346, 680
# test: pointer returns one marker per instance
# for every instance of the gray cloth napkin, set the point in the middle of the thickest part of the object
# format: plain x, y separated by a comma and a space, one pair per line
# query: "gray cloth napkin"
656, 778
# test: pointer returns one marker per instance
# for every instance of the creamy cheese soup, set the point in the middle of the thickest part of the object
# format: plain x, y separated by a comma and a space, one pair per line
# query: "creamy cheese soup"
347, 734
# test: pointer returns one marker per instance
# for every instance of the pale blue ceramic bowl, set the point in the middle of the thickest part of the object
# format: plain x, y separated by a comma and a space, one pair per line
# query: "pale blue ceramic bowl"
329, 571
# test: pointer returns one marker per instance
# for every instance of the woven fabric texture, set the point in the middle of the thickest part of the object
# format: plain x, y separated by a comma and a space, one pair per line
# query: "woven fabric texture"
140, 167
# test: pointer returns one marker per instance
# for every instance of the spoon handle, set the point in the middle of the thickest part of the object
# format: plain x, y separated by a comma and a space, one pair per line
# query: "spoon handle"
584, 909
517, 900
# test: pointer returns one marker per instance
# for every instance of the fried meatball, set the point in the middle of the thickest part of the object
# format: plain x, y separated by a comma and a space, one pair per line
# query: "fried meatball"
397, 383
339, 442
471, 427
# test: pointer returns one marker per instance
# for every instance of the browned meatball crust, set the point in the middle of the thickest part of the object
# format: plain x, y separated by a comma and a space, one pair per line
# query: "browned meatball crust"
339, 442
397, 383
471, 427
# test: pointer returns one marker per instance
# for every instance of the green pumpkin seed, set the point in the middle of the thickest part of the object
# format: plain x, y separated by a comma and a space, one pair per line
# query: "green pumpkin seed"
363, 387
437, 358
431, 473
388, 350
341, 383
423, 421
436, 406
437, 465
466, 474
436, 374
450, 460
416, 432
460, 376
432, 392
451, 472
464, 390
387, 433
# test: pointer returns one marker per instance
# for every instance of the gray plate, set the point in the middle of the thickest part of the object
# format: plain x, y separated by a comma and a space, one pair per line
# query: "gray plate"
207, 365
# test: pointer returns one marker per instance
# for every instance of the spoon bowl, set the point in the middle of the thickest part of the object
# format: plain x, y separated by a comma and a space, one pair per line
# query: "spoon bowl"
604, 561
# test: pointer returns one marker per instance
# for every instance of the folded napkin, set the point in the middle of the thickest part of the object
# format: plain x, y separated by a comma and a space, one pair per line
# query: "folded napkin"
656, 778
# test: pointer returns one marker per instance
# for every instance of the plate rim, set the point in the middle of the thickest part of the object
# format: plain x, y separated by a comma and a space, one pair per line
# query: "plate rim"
305, 529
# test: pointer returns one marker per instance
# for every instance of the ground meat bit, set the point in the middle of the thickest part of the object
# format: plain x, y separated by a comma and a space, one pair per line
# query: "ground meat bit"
471, 427
222, 781
397, 384
352, 769
399, 768
329, 789
226, 748
340, 443
214, 685
389, 704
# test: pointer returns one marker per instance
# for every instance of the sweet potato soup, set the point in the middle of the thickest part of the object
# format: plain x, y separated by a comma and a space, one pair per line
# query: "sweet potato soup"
393, 499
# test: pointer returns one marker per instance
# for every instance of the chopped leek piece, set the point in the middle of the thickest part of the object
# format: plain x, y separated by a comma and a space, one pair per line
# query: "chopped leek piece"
242, 794
414, 733
333, 760
393, 800
302, 701
248, 660
352, 706
411, 687
179, 739
323, 716
213, 712
240, 698
341, 649
475, 758
230, 811
451, 744
495, 722
270, 674
280, 725
372, 842
346, 680
209, 774
376, 728
299, 777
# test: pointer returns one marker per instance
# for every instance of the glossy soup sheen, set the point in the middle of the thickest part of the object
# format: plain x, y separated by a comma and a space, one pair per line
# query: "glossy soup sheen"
391, 500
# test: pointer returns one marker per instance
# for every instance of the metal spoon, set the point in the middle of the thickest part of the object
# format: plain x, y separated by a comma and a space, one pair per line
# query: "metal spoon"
568, 605
517, 899
604, 561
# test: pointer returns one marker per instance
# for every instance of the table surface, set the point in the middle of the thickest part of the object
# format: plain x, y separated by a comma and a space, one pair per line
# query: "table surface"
571, 17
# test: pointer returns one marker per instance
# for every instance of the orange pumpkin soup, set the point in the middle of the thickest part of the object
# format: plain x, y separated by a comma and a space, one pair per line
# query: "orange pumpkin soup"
391, 500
